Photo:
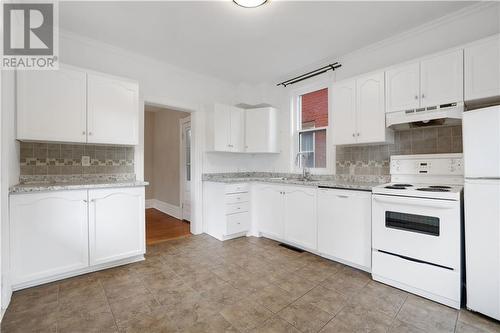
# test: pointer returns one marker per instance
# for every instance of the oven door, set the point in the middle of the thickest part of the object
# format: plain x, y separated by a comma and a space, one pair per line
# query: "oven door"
420, 229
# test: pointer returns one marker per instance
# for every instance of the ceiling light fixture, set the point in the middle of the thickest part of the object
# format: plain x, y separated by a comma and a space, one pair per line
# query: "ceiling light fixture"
249, 3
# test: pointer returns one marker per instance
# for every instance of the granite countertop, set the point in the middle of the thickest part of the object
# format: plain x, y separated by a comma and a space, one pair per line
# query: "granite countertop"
46, 184
363, 183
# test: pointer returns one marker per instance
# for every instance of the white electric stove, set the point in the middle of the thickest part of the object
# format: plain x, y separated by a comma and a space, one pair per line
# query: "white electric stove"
417, 239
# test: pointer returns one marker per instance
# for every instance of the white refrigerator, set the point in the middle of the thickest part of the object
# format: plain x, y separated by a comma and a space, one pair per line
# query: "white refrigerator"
481, 144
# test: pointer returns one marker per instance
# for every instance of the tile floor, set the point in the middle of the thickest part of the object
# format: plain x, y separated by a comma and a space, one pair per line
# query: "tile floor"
199, 284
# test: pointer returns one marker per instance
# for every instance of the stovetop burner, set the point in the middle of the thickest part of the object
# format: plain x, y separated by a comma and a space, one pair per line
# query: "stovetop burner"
395, 187
433, 189
440, 186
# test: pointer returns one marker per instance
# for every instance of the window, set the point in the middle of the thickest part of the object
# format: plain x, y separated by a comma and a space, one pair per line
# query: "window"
312, 125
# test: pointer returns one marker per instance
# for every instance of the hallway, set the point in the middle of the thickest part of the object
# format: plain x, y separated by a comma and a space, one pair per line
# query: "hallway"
161, 227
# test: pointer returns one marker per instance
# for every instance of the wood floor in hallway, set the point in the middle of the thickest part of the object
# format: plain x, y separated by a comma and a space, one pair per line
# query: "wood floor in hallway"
161, 227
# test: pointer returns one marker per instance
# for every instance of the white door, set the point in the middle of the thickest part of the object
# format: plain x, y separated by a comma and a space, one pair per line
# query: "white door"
268, 210
116, 224
186, 168
442, 79
482, 246
237, 132
49, 234
370, 109
344, 112
222, 128
300, 216
52, 105
402, 87
113, 110
344, 225
481, 137
482, 69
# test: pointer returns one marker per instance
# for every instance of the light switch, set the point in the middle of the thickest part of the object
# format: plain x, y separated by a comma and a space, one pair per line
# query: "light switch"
85, 160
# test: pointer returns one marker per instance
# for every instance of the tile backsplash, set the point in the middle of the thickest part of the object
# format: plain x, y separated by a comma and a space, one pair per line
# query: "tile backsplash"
374, 159
66, 159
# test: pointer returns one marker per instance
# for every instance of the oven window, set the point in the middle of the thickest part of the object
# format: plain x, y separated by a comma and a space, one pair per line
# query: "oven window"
415, 223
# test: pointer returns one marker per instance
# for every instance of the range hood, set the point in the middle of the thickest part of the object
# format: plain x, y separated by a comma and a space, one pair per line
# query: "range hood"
439, 115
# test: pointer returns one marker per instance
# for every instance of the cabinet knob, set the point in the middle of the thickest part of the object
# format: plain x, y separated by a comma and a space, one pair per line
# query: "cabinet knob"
416, 96
423, 96
90, 133
353, 135
357, 134
83, 132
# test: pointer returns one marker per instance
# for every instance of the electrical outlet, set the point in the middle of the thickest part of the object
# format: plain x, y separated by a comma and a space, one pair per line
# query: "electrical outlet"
85, 160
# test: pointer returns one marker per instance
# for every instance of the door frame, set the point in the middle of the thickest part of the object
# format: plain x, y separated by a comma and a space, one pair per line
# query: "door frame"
182, 162
197, 147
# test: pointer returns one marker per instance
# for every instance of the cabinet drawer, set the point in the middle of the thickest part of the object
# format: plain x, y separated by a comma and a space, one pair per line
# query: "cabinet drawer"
236, 188
236, 198
237, 208
237, 223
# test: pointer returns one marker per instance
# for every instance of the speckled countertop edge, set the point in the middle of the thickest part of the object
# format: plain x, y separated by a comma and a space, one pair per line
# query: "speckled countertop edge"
49, 187
362, 185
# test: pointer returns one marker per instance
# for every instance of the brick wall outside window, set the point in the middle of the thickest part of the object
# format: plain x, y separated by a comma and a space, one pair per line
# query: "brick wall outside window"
314, 109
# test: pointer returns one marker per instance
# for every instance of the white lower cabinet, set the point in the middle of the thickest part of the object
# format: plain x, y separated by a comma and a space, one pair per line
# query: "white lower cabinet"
287, 213
48, 234
58, 234
344, 226
116, 224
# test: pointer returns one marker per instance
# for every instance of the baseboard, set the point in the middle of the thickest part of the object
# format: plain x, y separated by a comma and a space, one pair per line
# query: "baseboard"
165, 207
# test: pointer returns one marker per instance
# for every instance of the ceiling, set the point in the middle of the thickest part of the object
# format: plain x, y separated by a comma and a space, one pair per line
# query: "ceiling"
246, 45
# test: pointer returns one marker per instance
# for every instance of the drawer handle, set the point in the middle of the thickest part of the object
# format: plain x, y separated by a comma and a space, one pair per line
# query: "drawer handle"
342, 196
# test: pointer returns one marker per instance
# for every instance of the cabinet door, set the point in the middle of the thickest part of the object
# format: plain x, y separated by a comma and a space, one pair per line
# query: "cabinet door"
260, 130
116, 224
51, 105
402, 87
442, 79
49, 234
237, 133
482, 69
300, 217
222, 128
344, 226
113, 110
344, 112
370, 109
268, 210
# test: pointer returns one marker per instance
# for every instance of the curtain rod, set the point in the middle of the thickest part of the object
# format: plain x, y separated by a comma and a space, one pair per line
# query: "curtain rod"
310, 74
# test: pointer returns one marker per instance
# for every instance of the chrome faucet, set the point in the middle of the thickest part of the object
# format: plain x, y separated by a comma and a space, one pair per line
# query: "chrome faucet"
299, 162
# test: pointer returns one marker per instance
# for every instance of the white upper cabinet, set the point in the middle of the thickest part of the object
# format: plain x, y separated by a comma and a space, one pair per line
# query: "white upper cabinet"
116, 224
403, 87
52, 105
73, 105
370, 109
113, 110
261, 135
433, 81
344, 112
482, 69
358, 111
441, 79
232, 129
226, 132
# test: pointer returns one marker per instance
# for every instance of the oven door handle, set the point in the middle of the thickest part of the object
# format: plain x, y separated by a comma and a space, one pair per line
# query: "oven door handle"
440, 204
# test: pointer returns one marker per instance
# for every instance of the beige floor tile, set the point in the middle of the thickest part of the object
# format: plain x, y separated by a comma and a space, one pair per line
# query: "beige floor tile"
380, 296
347, 281
246, 315
305, 316
356, 318
128, 308
294, 284
326, 299
399, 326
428, 315
34, 298
273, 297
214, 324
467, 321
276, 325
95, 319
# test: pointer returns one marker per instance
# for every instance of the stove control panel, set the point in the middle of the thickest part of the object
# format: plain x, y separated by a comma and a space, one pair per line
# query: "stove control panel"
438, 164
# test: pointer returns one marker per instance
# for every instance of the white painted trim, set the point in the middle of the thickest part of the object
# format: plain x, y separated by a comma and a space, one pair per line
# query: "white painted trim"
182, 162
164, 207
85, 270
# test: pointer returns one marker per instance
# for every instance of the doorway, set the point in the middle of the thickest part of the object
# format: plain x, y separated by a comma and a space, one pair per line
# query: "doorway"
167, 168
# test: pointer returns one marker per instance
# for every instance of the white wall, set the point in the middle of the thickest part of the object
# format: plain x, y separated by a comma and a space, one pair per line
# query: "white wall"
465, 26
9, 174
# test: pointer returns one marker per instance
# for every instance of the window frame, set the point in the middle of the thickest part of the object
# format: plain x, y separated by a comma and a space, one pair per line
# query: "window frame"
295, 109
